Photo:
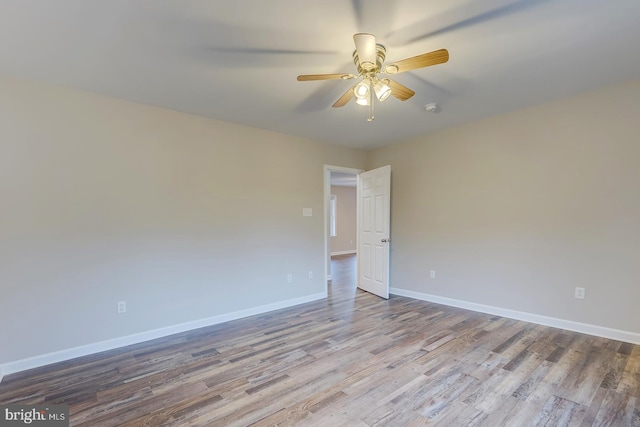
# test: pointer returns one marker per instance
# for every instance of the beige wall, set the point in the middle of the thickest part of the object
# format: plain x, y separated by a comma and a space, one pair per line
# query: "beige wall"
188, 218
181, 216
517, 210
345, 240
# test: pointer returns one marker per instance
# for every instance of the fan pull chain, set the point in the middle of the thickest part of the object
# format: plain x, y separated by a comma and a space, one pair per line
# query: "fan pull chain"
371, 116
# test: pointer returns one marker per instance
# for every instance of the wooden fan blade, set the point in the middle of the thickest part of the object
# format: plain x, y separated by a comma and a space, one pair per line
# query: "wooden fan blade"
398, 90
310, 77
342, 101
425, 60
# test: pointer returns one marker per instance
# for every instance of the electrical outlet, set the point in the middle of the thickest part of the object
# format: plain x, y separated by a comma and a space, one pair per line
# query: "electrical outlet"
289, 278
310, 274
122, 307
432, 274
579, 293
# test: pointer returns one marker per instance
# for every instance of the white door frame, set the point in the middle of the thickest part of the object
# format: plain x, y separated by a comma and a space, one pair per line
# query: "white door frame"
327, 192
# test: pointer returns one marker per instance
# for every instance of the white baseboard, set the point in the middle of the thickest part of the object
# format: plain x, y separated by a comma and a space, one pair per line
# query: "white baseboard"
343, 253
85, 350
570, 325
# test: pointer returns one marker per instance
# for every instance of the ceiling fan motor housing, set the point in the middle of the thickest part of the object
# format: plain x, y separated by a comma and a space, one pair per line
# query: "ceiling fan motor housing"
381, 54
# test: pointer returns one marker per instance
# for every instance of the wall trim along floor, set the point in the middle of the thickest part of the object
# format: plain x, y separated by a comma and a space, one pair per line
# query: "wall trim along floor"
67, 354
85, 350
585, 328
343, 253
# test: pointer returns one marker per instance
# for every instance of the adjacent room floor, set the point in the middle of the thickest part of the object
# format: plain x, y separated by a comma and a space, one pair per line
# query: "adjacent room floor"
353, 360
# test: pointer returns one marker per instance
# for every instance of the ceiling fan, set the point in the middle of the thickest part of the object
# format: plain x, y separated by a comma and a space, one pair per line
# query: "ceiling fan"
369, 58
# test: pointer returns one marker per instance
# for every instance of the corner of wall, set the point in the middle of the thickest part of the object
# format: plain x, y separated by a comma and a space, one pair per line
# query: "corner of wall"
370, 158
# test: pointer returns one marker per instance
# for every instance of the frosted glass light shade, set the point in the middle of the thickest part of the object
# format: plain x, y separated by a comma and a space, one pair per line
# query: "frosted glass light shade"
382, 90
361, 90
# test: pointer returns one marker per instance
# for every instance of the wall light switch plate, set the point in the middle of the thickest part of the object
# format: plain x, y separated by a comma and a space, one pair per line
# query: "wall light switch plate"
307, 212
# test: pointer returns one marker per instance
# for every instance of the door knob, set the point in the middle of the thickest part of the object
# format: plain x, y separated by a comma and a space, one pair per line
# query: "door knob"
386, 240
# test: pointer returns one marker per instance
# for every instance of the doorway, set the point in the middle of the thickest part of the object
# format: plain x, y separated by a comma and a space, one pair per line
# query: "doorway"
341, 216
372, 237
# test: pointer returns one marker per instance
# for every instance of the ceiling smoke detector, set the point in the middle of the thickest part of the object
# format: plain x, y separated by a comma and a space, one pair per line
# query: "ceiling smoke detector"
432, 108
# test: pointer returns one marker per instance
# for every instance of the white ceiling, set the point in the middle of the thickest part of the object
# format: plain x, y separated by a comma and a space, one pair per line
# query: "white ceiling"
342, 179
238, 60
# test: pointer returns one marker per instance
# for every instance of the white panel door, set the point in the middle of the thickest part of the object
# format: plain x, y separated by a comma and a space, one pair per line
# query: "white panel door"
374, 196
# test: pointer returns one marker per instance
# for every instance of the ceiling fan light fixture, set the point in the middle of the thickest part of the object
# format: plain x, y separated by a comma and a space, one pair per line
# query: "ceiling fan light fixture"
361, 90
369, 59
366, 49
382, 90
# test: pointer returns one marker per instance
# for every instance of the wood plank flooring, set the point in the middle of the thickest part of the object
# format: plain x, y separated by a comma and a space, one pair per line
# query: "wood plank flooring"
351, 360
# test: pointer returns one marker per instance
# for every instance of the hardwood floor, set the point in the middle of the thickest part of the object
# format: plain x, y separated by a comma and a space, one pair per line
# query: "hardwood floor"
351, 360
